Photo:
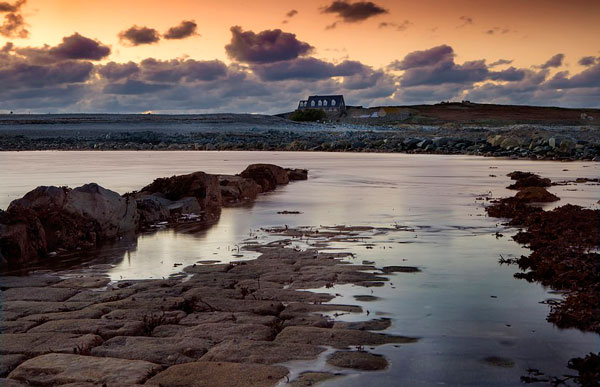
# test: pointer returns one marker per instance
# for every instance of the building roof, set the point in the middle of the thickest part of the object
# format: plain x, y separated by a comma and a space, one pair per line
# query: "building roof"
338, 98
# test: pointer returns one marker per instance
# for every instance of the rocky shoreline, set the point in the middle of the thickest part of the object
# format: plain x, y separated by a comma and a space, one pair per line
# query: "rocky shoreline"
224, 325
564, 244
518, 141
52, 221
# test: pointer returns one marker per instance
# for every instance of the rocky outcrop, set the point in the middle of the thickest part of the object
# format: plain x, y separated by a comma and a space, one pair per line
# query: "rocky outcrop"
50, 221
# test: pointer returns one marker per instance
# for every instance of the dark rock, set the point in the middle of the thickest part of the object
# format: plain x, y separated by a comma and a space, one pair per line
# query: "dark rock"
358, 360
268, 176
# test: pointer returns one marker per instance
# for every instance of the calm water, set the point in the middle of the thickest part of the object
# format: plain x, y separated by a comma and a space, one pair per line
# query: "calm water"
448, 304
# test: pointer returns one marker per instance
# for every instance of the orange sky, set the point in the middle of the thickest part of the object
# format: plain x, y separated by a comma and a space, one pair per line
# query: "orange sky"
538, 29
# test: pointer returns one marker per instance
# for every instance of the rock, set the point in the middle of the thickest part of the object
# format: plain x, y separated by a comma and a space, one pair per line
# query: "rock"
26, 308
236, 190
509, 142
552, 142
219, 374
11, 383
261, 352
92, 311
51, 218
101, 327
164, 351
38, 294
358, 360
34, 344
536, 195
400, 269
311, 378
218, 332
499, 362
19, 326
268, 176
371, 325
55, 369
366, 298
338, 338
527, 179
7, 282
567, 145
9, 363
297, 174
199, 185
84, 282
219, 317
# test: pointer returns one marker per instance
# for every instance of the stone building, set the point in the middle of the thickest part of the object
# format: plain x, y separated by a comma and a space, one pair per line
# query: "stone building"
328, 103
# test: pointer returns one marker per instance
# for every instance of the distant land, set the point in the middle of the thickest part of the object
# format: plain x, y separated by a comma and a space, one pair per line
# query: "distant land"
531, 132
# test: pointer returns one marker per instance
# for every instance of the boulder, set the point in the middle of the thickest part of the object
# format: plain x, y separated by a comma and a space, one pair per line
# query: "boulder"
536, 195
236, 190
268, 176
51, 218
219, 374
358, 360
102, 327
56, 369
337, 338
297, 174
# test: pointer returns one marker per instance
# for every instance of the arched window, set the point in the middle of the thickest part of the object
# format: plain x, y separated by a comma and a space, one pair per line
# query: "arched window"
333, 102
325, 103
312, 103
320, 103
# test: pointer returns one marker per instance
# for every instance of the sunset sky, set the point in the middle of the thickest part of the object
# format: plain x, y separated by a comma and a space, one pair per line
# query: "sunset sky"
263, 56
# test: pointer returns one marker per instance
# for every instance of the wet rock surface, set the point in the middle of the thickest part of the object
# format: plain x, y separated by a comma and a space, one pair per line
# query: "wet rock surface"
226, 324
358, 360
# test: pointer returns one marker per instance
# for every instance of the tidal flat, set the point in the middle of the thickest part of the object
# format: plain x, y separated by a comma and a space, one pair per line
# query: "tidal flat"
280, 295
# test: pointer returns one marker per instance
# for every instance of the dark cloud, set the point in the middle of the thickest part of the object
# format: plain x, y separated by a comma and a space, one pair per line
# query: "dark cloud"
446, 72
432, 56
177, 70
589, 77
8, 47
265, 47
80, 47
465, 21
511, 74
555, 61
185, 29
291, 13
308, 69
16, 73
500, 62
131, 87
13, 25
587, 60
116, 71
74, 47
331, 26
139, 35
397, 26
354, 12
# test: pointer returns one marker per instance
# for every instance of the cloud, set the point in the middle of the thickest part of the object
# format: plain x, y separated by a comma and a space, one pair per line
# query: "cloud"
555, 61
291, 13
497, 30
307, 69
116, 71
74, 47
466, 21
176, 70
588, 60
265, 47
13, 25
185, 29
331, 26
397, 26
511, 74
354, 12
423, 58
136, 36
589, 77
500, 62
131, 87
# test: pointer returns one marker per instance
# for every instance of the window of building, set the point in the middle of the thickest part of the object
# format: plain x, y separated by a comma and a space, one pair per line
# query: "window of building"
333, 102
312, 103
325, 103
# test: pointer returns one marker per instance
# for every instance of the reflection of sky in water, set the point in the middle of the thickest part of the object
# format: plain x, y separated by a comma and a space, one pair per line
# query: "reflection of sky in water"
449, 304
